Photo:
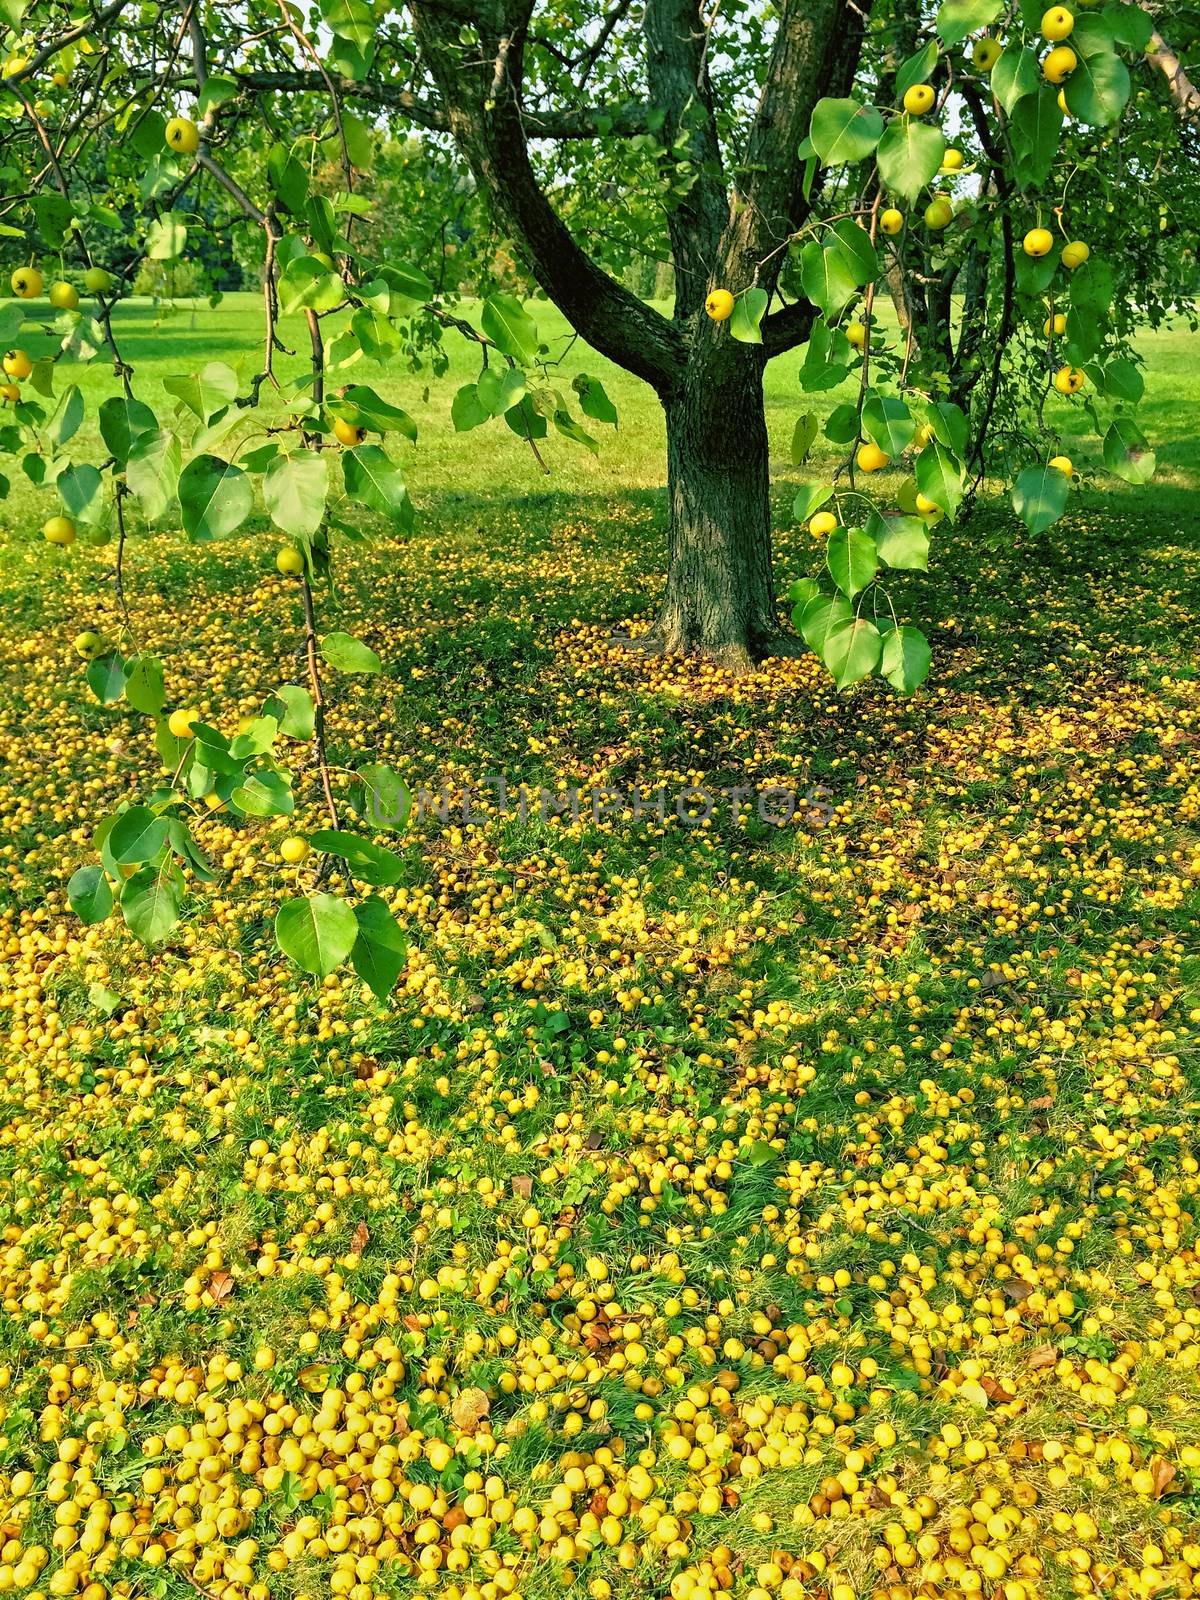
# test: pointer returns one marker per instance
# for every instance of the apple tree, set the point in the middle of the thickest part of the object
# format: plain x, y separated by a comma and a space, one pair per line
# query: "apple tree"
976, 163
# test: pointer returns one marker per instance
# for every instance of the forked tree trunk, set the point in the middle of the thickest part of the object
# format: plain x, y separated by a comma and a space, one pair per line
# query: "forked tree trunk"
719, 599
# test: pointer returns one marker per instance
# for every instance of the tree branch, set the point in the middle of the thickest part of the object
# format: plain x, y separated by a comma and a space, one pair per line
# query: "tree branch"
815, 53
482, 99
586, 122
677, 77
1183, 91
788, 327
91, 25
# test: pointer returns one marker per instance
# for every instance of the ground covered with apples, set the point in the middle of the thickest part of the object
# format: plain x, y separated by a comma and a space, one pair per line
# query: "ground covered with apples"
803, 1209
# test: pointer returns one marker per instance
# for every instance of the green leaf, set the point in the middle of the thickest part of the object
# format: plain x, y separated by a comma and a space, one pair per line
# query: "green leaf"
295, 491
803, 437
466, 409
852, 559
745, 325
215, 498
852, 651
264, 794
376, 482
905, 659
81, 490
886, 420
90, 895
380, 950
800, 592
525, 420
841, 425
348, 654
860, 255
386, 798
1097, 92
217, 91
510, 327
150, 903
827, 276
910, 154
1036, 126
67, 419
123, 422
103, 998
408, 287
360, 405
902, 542
288, 177
292, 708
498, 388
354, 20
360, 142
1039, 497
207, 392
826, 358
212, 750
949, 424
1035, 273
1015, 75
144, 688
593, 400
957, 18
368, 861
152, 472
12, 319
1127, 452
166, 237
810, 497
1092, 287
317, 933
137, 835
939, 477
54, 213
106, 678
377, 335
1123, 381
254, 739
820, 616
918, 68
844, 130
570, 429
307, 284
1131, 25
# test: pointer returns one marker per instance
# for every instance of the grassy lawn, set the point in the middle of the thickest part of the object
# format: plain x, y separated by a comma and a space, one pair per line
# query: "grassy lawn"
799, 1207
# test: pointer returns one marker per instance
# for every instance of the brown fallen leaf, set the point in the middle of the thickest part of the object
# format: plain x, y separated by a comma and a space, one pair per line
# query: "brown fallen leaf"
1163, 1473
468, 1409
360, 1239
1044, 1356
522, 1186
220, 1285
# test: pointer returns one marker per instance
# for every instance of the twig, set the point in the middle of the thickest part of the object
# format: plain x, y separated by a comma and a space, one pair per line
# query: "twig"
314, 679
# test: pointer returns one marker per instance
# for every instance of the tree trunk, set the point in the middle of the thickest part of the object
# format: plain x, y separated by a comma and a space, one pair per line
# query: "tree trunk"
719, 600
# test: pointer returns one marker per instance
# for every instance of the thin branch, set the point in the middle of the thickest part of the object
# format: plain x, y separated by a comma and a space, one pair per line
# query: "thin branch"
585, 122
92, 25
318, 697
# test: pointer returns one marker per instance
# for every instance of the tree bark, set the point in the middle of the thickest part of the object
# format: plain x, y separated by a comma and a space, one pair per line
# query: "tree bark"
718, 601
